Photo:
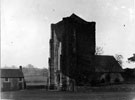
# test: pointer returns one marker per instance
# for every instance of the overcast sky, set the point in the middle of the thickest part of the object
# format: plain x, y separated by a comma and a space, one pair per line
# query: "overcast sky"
25, 27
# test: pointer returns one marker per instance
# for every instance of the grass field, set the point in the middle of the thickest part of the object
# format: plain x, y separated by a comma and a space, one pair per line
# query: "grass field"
55, 95
113, 92
35, 80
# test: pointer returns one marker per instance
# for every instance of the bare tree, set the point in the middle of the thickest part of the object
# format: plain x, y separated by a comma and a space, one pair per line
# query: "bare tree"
13, 67
30, 66
119, 58
99, 50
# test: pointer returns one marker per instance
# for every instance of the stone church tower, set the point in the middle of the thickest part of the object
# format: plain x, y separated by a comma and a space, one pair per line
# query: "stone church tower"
72, 47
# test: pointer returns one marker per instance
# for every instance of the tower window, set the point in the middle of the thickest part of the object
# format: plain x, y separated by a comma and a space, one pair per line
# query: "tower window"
6, 79
20, 79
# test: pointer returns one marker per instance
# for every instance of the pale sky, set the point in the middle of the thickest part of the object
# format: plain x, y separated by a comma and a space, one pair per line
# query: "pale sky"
25, 27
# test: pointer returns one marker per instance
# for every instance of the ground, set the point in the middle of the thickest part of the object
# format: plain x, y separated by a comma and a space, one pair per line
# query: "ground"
41, 94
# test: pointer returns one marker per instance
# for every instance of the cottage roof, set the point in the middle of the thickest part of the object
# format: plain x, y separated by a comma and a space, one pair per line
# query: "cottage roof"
104, 63
11, 73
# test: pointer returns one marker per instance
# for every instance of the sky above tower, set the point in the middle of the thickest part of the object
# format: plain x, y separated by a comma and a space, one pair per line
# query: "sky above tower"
25, 27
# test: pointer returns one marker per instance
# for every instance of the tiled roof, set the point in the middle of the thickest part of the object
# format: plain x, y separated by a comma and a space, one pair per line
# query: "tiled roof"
101, 63
106, 64
11, 73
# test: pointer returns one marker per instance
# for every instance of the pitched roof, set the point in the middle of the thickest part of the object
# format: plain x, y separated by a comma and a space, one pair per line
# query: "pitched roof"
11, 73
104, 63
99, 63
77, 18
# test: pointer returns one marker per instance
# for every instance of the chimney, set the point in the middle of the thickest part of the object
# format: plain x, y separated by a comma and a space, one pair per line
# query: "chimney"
20, 68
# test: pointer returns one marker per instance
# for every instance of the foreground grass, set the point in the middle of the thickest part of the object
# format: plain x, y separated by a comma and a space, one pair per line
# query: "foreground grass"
113, 92
55, 95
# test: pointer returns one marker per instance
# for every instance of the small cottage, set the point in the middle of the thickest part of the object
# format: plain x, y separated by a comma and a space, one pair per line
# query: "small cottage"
12, 79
